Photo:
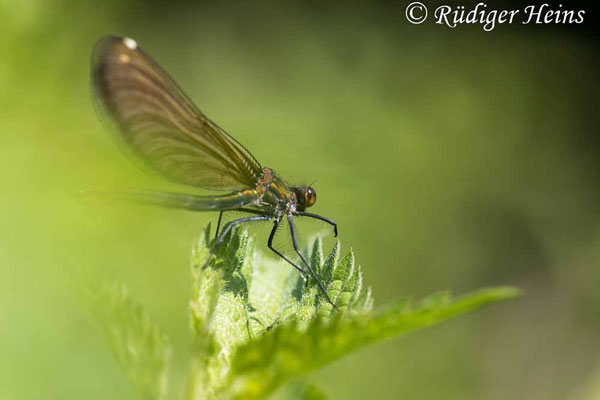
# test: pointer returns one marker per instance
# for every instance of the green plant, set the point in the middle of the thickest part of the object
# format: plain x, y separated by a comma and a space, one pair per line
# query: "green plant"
258, 326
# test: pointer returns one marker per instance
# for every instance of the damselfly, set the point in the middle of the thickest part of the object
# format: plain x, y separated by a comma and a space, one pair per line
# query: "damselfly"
162, 126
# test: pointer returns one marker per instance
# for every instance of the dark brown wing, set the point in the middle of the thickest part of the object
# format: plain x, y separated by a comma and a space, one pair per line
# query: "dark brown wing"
162, 125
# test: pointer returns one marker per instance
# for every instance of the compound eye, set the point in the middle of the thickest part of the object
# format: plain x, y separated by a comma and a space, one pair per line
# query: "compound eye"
310, 196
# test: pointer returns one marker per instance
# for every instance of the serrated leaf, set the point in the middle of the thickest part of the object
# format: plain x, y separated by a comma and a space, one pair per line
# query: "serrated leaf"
140, 347
330, 264
316, 257
257, 326
283, 353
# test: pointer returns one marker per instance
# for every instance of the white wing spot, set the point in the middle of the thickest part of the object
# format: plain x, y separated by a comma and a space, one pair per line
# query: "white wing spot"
132, 44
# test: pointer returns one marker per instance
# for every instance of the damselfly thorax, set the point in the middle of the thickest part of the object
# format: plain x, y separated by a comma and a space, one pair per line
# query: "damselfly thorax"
277, 197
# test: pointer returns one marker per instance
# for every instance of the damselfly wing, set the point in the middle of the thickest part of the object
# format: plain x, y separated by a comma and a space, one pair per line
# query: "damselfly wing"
164, 128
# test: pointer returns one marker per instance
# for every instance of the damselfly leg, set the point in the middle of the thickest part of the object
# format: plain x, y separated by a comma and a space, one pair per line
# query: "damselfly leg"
226, 230
312, 272
219, 223
303, 273
320, 218
245, 210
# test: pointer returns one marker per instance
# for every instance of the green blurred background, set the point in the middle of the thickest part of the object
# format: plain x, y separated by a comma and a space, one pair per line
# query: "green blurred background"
452, 159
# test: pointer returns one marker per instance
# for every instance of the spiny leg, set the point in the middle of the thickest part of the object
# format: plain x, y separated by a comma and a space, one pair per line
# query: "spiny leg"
303, 273
320, 218
246, 210
226, 230
312, 272
219, 223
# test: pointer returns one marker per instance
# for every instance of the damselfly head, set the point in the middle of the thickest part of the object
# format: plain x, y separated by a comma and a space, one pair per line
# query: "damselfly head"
306, 197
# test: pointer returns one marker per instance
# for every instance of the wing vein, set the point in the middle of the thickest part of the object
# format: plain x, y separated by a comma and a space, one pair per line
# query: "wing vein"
161, 124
